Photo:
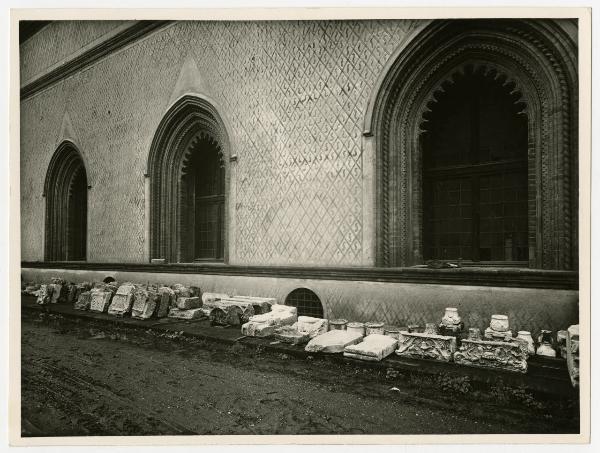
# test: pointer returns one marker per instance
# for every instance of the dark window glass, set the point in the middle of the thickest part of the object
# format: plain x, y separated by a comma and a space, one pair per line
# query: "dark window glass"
307, 302
204, 199
475, 173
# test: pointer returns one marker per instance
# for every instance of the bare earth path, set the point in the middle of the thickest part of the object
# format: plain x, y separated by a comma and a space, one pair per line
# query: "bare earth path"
79, 379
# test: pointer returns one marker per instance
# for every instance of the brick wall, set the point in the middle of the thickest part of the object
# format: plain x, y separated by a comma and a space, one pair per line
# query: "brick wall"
294, 95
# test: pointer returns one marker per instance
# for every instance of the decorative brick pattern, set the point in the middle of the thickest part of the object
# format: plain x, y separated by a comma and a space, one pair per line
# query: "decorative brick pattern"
294, 94
58, 41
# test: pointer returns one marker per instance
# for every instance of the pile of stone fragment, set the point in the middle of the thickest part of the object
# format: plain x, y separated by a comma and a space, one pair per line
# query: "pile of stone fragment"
145, 301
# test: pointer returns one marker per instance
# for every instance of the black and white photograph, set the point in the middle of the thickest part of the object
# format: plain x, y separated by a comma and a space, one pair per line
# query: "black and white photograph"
301, 225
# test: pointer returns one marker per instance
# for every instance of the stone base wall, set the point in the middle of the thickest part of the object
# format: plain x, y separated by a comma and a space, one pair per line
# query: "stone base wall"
397, 304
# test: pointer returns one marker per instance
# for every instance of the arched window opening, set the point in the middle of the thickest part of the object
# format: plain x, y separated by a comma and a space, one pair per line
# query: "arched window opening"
306, 301
187, 167
475, 171
203, 198
66, 206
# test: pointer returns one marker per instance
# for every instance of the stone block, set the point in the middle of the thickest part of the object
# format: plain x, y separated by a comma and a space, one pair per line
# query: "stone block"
261, 304
167, 300
229, 315
258, 329
505, 355
100, 300
573, 353
144, 303
186, 291
187, 303
374, 347
194, 313
45, 294
246, 308
333, 341
122, 300
426, 346
279, 315
83, 301
291, 334
312, 326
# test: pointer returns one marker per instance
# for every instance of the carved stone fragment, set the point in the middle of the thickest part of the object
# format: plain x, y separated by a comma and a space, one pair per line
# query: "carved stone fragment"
505, 355
45, 294
122, 300
291, 334
100, 300
166, 300
573, 353
83, 301
426, 346
229, 315
145, 302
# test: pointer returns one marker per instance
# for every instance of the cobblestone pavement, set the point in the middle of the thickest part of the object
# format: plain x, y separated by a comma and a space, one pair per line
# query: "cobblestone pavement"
79, 378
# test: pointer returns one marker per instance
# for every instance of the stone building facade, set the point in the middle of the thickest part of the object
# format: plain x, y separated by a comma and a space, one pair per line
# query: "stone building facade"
263, 157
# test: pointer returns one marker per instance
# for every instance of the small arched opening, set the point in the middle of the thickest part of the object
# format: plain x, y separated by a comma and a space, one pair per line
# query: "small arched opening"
306, 301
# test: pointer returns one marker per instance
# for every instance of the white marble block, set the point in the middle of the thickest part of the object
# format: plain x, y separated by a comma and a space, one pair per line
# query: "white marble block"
279, 315
333, 341
122, 300
374, 347
187, 303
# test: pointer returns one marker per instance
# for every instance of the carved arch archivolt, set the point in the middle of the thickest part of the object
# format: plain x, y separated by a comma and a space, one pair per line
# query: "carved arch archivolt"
537, 61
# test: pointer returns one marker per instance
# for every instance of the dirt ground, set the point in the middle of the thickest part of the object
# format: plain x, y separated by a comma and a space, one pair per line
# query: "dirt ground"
80, 378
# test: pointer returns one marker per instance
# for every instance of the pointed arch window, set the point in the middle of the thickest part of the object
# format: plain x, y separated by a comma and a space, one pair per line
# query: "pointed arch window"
65, 190
188, 172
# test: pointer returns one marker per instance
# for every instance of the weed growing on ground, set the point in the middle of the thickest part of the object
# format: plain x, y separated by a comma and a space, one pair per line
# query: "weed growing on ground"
506, 394
237, 348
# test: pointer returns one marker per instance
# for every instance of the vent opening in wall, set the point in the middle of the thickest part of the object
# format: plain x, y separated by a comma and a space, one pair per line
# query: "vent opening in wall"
307, 302
109, 280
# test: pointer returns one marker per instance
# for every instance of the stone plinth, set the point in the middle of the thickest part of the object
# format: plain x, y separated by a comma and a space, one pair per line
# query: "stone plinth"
426, 346
573, 353
493, 335
505, 355
194, 313
374, 347
122, 300
333, 341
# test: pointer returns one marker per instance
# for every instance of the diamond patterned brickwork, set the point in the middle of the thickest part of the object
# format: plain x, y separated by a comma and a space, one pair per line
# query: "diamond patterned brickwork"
294, 94
59, 41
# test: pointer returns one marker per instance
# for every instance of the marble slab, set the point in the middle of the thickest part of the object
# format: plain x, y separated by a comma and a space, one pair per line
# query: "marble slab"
333, 341
374, 347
